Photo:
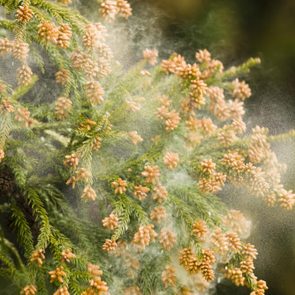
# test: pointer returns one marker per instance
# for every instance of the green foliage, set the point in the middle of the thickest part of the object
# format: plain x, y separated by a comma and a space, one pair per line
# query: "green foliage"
46, 199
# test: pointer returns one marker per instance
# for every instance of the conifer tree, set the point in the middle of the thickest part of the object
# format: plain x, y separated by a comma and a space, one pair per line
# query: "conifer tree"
111, 178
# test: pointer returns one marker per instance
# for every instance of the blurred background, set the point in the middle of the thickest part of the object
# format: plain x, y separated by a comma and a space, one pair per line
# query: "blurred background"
234, 30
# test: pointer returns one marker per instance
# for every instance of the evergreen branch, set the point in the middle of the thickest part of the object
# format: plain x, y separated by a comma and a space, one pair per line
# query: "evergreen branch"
241, 69
8, 24
22, 90
40, 214
61, 13
6, 126
11, 247
23, 229
290, 135
124, 208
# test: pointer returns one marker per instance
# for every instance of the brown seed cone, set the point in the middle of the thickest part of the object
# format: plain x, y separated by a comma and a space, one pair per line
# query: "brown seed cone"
119, 186
23, 115
160, 193
110, 222
203, 56
247, 266
64, 36
144, 236
236, 276
57, 275
191, 72
78, 60
62, 291
109, 245
24, 75
271, 199
124, 8
90, 36
48, 32
169, 276
172, 120
38, 257
207, 271
234, 242
87, 125
158, 214
96, 144
208, 256
185, 256
135, 137
167, 239
99, 285
71, 160
249, 250
140, 192
287, 199
91, 67
94, 270
261, 284
108, 9
68, 255
29, 290
193, 265
104, 52
5, 46
197, 100
88, 194
94, 92
200, 229
62, 76
208, 166
103, 68
171, 160
24, 13
20, 50
241, 89
63, 106
219, 241
151, 173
